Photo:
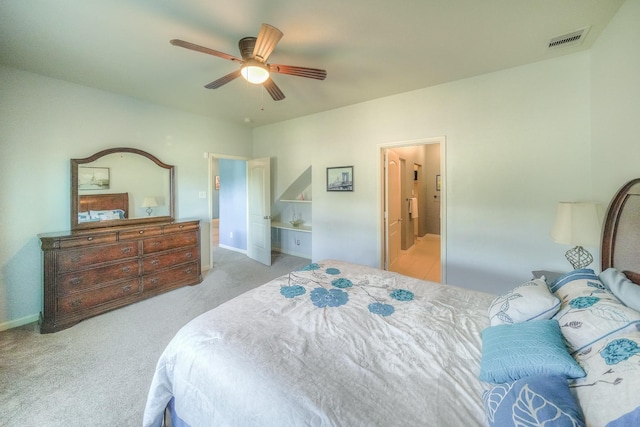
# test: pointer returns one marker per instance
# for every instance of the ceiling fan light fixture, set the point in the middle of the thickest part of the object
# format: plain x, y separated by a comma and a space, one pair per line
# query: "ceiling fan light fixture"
254, 72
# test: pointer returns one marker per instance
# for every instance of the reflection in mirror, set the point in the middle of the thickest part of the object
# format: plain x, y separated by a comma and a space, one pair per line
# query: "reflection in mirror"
120, 186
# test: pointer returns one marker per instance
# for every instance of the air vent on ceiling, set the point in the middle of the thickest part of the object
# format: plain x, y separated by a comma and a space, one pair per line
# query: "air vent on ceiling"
573, 38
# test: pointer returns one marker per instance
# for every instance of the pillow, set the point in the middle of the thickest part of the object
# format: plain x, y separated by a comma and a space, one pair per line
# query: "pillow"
107, 214
529, 301
624, 289
589, 312
609, 394
511, 352
535, 401
83, 217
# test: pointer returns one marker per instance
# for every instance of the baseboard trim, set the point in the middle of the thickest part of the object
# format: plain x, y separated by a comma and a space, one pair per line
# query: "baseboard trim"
231, 248
298, 254
19, 322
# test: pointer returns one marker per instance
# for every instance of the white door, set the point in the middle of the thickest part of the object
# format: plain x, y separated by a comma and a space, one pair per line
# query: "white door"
393, 200
259, 208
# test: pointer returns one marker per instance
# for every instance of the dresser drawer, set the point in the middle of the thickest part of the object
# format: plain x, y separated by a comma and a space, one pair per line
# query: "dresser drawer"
171, 241
156, 262
175, 228
93, 239
84, 300
139, 233
88, 279
76, 259
172, 277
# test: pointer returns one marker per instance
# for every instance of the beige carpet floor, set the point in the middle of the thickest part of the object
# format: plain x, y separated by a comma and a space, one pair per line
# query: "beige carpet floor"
98, 372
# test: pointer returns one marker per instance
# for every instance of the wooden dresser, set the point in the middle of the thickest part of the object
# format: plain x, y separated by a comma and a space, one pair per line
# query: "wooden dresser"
93, 271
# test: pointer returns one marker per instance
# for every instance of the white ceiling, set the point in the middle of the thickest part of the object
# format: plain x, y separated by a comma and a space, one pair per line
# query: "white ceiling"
370, 48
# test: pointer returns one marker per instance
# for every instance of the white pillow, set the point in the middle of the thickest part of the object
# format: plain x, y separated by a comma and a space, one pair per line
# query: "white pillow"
529, 301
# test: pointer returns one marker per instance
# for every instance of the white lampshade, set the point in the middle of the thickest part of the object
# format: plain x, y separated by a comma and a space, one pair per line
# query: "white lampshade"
149, 202
577, 223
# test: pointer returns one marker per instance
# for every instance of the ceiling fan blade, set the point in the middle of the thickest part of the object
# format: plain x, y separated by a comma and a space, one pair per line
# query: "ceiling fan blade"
268, 38
311, 73
223, 80
273, 90
197, 48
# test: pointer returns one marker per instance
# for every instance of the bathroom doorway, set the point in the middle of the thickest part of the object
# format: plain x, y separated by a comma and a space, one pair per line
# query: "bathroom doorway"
421, 210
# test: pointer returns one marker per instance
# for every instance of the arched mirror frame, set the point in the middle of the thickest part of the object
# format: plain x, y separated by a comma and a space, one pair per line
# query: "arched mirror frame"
75, 200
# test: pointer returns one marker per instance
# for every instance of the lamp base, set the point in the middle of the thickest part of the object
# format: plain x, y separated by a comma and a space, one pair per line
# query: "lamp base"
579, 257
149, 211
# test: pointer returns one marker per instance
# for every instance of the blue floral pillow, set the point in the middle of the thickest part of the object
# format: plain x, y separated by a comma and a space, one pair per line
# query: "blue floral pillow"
609, 393
511, 352
589, 311
533, 401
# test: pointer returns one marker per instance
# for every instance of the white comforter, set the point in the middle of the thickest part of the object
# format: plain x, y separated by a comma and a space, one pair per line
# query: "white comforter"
331, 346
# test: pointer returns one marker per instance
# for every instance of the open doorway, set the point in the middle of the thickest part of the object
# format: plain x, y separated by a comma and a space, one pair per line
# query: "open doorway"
412, 208
231, 235
239, 206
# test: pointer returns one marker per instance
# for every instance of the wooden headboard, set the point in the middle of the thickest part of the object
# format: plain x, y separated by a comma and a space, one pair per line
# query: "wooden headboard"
621, 233
104, 202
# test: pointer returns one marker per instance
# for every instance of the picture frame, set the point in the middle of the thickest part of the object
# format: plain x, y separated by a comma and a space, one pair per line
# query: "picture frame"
92, 178
437, 182
340, 178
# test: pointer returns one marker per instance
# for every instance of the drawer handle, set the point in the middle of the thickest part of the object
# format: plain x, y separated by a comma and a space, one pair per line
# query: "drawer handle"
126, 289
76, 280
155, 262
126, 250
188, 255
154, 280
155, 243
89, 238
181, 226
189, 270
141, 231
126, 269
76, 303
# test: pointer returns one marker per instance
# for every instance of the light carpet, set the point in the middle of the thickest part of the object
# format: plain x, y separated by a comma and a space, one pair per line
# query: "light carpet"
98, 372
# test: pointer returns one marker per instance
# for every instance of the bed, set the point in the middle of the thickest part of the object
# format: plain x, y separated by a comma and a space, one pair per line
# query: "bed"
338, 344
103, 207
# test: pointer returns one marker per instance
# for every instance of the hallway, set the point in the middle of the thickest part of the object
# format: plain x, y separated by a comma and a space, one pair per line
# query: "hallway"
422, 260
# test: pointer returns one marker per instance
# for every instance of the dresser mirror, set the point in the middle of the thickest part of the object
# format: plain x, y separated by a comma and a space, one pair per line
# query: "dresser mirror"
120, 186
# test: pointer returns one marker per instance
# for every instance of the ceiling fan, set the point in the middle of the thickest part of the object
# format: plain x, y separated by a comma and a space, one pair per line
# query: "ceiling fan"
254, 67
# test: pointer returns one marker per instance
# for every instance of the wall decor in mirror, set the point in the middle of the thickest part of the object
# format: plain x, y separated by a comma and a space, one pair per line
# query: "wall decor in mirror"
115, 187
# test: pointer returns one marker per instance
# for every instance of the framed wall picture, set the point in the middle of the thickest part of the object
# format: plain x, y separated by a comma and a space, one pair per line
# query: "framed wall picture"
93, 178
340, 178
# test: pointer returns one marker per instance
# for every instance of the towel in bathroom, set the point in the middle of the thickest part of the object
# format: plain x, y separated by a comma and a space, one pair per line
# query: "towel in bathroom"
413, 207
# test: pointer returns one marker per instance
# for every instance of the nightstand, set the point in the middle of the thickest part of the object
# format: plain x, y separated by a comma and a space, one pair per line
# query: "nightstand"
550, 276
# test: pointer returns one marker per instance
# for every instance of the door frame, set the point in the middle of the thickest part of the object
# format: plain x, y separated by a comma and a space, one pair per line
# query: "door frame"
442, 140
210, 184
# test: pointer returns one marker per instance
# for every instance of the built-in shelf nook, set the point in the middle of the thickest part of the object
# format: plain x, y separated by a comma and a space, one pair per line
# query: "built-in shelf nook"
291, 224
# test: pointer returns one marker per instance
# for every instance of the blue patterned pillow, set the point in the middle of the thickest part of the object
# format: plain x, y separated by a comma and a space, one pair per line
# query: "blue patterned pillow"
609, 393
533, 401
511, 352
589, 312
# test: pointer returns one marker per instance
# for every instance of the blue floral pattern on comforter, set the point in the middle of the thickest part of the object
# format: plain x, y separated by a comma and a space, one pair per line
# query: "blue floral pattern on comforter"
326, 294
